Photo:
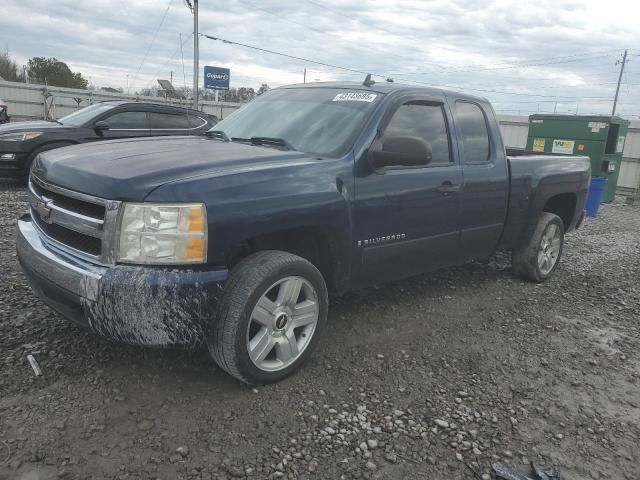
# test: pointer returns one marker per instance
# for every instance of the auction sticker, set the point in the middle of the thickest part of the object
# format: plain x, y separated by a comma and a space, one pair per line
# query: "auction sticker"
355, 97
563, 146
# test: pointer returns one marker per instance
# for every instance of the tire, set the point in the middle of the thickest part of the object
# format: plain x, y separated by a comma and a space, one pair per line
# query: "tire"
279, 342
539, 257
36, 152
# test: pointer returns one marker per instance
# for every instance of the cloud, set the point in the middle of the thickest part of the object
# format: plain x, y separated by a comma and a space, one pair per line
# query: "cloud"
467, 44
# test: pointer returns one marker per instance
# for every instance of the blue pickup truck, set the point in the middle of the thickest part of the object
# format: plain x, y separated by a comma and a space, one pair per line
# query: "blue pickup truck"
235, 240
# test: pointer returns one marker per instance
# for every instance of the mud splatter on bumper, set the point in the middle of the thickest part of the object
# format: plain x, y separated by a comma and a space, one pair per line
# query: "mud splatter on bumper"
130, 304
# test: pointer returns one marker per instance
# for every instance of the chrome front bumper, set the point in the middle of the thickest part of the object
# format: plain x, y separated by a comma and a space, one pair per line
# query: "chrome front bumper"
128, 304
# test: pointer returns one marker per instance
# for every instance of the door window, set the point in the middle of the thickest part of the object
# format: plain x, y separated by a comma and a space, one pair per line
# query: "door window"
128, 121
168, 121
423, 121
474, 133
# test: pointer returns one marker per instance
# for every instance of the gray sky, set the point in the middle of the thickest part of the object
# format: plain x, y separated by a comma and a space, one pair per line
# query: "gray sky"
523, 55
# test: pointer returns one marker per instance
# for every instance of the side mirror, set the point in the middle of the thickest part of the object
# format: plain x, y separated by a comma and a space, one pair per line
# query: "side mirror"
101, 126
402, 151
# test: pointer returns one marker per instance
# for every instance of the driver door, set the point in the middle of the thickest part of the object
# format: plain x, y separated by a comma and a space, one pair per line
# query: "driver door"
406, 218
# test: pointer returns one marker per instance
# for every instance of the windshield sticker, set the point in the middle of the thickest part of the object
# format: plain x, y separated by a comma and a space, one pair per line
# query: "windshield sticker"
355, 97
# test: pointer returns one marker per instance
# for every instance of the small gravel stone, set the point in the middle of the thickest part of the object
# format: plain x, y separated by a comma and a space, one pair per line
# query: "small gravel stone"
145, 425
183, 450
391, 457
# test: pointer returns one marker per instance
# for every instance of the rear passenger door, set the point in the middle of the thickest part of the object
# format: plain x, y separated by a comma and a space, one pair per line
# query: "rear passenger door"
406, 217
485, 188
170, 123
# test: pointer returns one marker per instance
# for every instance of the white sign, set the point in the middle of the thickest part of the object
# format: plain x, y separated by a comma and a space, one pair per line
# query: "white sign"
355, 97
596, 126
563, 146
620, 146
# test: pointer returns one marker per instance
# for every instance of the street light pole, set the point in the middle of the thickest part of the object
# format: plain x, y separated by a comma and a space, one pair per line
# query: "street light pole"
196, 66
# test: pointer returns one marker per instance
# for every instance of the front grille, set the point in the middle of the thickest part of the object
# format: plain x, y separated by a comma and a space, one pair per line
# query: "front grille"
75, 240
73, 220
69, 203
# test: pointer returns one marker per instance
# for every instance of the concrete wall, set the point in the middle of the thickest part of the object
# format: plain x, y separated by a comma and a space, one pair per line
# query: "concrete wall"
516, 128
27, 101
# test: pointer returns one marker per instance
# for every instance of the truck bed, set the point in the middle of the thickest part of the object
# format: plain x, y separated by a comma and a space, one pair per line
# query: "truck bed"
535, 176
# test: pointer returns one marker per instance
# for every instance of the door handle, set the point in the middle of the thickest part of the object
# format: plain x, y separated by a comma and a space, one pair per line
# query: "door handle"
447, 187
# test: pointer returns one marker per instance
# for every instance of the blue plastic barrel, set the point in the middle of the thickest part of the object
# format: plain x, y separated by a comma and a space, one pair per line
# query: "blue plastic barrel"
595, 195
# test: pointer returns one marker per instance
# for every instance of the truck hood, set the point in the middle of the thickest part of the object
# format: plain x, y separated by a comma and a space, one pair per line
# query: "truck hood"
131, 169
35, 126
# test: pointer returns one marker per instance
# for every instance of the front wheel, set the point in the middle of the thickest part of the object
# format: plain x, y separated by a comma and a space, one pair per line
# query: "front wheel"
271, 316
538, 259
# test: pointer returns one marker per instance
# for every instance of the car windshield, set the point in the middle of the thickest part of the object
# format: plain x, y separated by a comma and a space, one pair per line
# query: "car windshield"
320, 121
82, 116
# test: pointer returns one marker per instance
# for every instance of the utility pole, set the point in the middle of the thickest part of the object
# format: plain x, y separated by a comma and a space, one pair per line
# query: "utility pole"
624, 60
304, 76
196, 66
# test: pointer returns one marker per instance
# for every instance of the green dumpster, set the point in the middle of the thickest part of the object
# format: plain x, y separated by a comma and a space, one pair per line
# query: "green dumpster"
600, 137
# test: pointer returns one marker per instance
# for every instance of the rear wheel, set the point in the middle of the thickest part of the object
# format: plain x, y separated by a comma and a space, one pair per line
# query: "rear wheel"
537, 260
273, 311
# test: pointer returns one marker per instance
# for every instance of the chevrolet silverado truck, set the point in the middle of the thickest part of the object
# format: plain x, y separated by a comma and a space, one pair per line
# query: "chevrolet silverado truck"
235, 240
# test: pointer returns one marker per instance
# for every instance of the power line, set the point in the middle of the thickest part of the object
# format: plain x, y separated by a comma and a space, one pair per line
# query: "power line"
505, 67
378, 27
155, 35
294, 57
308, 27
175, 53
380, 75
184, 77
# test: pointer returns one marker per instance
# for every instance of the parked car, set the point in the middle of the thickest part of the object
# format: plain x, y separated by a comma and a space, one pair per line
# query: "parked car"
234, 240
4, 112
20, 142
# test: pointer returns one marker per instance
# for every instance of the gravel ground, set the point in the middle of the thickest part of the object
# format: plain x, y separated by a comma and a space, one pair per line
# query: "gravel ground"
435, 377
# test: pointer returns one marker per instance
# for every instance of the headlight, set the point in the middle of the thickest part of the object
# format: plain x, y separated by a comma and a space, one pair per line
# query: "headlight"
19, 137
163, 234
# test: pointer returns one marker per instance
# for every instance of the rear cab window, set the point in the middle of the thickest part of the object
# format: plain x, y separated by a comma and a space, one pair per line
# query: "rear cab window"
474, 132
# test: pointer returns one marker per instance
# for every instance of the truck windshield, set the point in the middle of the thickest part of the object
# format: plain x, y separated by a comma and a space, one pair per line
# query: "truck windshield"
320, 121
82, 116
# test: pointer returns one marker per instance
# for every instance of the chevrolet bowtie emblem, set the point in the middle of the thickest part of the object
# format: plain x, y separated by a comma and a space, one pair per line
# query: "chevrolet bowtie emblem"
42, 207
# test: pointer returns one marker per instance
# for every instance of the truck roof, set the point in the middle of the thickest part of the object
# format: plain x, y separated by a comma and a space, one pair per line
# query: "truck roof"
385, 87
